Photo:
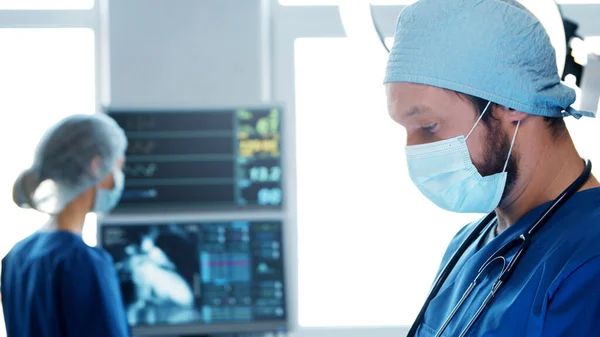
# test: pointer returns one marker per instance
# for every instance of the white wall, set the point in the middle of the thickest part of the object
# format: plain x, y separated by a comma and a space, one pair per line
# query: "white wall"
194, 53
185, 53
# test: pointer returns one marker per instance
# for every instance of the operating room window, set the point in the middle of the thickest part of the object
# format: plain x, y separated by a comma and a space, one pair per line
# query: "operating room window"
366, 236
46, 74
585, 130
369, 244
585, 136
46, 4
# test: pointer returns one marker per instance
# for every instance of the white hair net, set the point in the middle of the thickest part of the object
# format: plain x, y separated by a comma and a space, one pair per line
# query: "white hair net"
64, 165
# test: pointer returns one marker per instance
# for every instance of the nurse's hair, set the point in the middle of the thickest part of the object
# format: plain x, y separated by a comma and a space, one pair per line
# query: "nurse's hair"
74, 155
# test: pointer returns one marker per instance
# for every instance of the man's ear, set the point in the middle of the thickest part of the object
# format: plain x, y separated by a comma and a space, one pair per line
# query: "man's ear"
509, 115
517, 116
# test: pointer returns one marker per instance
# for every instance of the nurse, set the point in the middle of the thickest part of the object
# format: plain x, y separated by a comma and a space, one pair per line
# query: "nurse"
53, 284
476, 86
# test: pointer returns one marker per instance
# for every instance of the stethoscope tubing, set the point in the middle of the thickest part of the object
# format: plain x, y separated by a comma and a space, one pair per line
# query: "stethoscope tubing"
475, 233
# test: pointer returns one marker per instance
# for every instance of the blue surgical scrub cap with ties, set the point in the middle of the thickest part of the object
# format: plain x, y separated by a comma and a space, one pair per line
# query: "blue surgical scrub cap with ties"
74, 155
492, 49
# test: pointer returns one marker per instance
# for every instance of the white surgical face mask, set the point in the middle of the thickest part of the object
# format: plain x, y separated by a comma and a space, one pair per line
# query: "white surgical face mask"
444, 173
106, 200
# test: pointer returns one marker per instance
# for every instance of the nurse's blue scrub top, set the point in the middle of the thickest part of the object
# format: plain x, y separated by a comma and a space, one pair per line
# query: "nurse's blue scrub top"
554, 291
54, 285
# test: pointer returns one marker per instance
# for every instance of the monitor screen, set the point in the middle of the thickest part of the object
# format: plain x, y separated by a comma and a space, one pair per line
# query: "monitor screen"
199, 278
201, 158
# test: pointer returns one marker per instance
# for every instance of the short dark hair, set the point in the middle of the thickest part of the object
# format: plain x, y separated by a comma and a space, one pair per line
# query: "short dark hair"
556, 125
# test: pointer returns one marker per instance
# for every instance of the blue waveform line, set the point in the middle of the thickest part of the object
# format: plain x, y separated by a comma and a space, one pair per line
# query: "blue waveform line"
141, 170
139, 194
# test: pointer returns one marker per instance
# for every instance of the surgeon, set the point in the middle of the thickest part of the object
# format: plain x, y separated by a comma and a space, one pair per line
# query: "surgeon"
475, 84
53, 284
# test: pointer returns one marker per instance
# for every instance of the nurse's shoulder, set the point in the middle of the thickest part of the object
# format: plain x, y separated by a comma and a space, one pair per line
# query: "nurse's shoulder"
79, 257
59, 249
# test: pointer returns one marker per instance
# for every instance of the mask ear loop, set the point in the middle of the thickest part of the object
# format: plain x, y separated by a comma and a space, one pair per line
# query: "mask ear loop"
479, 119
511, 146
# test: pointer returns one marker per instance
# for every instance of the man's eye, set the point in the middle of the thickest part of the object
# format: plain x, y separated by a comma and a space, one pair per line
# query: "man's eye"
431, 128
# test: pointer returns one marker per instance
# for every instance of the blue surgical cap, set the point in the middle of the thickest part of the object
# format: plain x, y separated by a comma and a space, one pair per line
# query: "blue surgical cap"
74, 155
492, 49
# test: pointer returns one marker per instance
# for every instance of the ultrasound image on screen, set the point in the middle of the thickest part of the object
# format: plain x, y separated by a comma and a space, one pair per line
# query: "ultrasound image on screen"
158, 271
199, 274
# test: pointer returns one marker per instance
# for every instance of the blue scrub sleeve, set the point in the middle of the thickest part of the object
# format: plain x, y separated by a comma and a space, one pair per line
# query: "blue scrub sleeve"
574, 309
91, 302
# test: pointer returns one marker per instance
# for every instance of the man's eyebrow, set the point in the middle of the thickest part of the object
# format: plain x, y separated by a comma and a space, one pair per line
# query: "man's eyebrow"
416, 110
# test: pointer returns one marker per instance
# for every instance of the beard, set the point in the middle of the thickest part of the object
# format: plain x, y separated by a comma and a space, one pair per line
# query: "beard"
494, 158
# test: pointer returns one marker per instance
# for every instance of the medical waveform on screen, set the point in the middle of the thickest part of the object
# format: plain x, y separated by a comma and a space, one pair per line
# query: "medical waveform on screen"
140, 170
141, 147
139, 194
202, 159
224, 266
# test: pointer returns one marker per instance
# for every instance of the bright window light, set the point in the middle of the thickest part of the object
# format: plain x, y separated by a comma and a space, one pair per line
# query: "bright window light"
45, 4
47, 74
578, 2
586, 138
366, 235
592, 44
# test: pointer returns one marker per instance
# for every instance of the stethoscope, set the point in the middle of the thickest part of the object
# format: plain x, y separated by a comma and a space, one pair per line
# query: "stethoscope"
521, 242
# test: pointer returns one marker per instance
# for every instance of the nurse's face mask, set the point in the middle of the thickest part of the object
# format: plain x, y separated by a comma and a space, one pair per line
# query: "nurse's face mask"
444, 173
106, 200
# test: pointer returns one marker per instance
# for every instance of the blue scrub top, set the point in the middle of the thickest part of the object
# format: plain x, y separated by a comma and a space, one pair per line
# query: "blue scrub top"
554, 291
53, 284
